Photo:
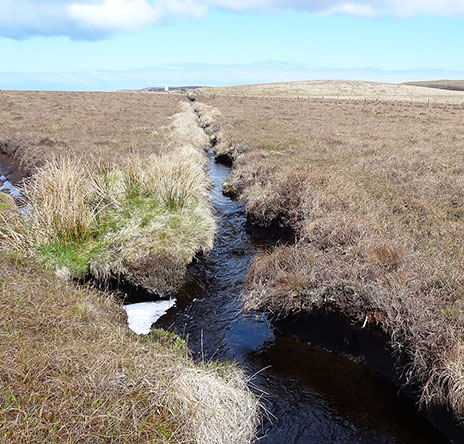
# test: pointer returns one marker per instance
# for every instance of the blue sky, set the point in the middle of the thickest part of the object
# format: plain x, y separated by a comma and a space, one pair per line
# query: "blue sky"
116, 44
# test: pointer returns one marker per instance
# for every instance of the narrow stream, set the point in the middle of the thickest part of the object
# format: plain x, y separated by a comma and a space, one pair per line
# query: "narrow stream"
313, 396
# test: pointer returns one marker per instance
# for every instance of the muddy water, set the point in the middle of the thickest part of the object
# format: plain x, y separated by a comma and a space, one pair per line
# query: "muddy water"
313, 396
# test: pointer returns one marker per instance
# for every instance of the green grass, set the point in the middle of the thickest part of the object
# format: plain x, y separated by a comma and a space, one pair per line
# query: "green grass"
6, 203
74, 256
169, 340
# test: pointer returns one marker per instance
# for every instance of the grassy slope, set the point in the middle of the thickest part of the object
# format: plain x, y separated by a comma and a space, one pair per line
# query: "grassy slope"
343, 89
376, 194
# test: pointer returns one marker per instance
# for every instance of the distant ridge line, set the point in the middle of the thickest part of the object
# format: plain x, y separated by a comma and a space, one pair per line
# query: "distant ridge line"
449, 85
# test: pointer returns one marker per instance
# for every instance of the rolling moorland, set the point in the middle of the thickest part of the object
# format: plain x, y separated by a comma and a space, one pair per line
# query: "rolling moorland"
450, 85
118, 189
342, 90
374, 192
369, 178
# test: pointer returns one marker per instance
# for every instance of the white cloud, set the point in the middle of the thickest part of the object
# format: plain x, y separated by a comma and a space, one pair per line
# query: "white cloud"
130, 15
403, 8
350, 9
125, 15
89, 19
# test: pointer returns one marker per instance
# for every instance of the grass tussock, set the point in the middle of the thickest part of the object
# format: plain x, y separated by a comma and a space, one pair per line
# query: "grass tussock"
143, 220
72, 372
64, 202
231, 409
375, 194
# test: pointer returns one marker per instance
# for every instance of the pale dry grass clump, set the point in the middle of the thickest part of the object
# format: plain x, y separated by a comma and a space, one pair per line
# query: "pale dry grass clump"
72, 372
63, 201
375, 194
227, 418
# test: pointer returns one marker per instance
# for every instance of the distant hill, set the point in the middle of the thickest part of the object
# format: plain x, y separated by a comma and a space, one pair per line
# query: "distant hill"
450, 85
171, 88
343, 89
161, 88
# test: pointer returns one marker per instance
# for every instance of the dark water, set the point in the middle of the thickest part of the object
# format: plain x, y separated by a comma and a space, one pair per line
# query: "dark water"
313, 396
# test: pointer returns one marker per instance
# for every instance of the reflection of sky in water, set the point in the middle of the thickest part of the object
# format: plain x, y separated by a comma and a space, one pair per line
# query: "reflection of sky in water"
7, 186
141, 317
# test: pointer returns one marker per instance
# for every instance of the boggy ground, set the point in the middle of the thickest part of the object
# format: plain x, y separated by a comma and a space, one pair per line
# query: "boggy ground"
91, 125
71, 371
375, 193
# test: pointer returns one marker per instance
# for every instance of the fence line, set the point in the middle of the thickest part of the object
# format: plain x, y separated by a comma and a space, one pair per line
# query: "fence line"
338, 100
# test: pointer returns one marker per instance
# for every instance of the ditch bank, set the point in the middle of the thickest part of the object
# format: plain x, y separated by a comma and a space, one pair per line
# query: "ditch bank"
369, 346
311, 394
326, 330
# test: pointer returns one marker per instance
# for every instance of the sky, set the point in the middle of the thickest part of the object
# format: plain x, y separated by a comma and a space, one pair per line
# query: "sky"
132, 44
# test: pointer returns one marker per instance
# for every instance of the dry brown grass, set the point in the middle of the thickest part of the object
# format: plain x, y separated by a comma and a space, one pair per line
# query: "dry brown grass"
109, 126
375, 192
63, 203
341, 89
72, 372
